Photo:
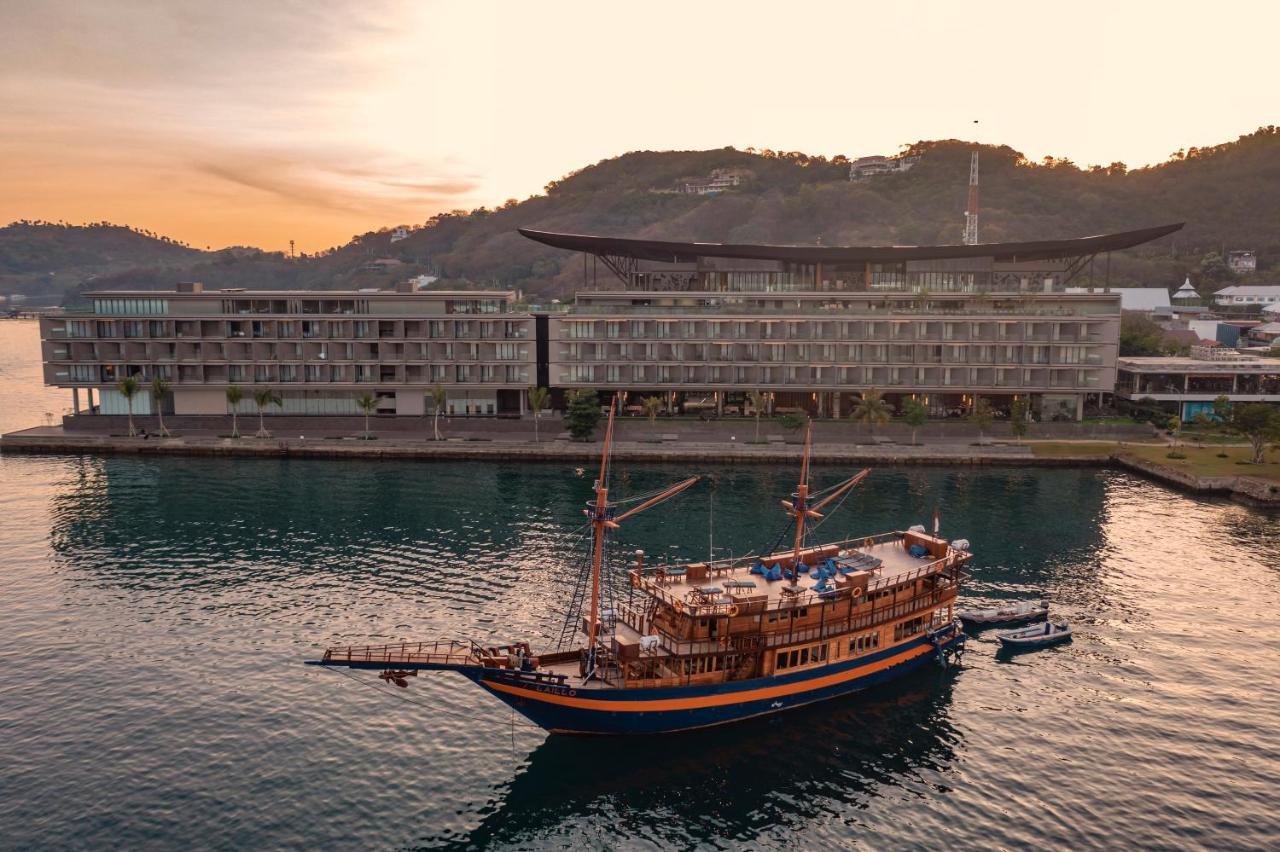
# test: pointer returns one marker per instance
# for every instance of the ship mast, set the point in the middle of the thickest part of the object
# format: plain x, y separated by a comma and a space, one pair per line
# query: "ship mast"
798, 507
603, 519
799, 511
600, 521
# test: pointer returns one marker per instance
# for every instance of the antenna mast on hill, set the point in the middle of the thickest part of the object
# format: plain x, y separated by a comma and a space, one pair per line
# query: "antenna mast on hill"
971, 209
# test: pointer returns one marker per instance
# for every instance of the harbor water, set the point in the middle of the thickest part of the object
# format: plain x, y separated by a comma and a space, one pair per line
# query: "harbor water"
157, 613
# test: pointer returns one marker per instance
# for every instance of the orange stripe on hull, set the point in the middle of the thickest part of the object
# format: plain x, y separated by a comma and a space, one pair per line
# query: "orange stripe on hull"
716, 700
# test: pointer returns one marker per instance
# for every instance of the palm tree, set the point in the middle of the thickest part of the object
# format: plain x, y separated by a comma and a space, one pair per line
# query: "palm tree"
538, 399
652, 407
369, 405
129, 387
439, 396
160, 390
872, 410
756, 398
264, 396
234, 397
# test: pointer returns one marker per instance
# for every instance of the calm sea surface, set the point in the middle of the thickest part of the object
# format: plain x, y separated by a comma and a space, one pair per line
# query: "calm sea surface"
156, 613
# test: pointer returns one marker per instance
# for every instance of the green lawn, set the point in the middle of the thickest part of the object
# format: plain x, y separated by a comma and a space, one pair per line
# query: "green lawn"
1206, 462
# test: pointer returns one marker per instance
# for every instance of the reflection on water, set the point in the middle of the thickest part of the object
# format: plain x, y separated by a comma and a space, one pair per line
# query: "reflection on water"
161, 608
764, 778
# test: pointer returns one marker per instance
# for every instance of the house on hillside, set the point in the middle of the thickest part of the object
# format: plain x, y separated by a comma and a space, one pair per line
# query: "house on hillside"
868, 167
1247, 295
1242, 262
1267, 334
718, 181
399, 234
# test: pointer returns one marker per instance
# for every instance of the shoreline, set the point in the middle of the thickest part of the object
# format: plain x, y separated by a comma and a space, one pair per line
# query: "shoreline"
52, 441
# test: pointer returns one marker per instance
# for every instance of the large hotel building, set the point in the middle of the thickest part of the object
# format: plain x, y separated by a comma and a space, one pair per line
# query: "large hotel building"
697, 324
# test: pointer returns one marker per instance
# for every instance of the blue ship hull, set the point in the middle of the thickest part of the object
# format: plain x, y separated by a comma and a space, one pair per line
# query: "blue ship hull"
566, 710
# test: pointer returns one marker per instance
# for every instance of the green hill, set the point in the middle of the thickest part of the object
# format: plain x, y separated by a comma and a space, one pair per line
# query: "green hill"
1228, 196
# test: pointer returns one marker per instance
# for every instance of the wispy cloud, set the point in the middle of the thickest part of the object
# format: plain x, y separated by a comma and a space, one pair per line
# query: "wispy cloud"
188, 97
322, 180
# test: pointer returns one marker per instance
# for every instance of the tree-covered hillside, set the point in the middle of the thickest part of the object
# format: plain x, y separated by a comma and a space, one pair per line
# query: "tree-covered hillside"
39, 257
1228, 195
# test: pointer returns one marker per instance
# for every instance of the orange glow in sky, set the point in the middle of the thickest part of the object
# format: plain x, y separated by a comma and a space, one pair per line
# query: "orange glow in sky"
255, 123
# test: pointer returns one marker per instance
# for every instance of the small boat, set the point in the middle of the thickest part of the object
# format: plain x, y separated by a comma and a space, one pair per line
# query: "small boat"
1004, 616
1039, 636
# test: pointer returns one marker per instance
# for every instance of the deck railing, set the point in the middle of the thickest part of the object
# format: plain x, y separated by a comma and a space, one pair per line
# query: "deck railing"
442, 651
650, 578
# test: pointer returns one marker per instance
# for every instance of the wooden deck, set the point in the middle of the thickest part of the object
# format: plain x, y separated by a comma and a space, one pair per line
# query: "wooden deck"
896, 566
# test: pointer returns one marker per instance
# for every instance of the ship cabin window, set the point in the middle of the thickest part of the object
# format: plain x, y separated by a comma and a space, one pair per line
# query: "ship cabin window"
702, 665
909, 628
792, 613
801, 656
864, 643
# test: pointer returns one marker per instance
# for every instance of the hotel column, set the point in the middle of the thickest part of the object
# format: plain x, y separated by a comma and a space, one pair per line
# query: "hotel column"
75, 400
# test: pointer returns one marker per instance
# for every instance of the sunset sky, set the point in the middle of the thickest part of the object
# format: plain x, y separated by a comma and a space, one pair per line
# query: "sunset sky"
238, 122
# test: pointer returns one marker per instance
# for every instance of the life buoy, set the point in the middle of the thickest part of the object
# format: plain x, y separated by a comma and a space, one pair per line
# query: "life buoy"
857, 591
573, 692
733, 610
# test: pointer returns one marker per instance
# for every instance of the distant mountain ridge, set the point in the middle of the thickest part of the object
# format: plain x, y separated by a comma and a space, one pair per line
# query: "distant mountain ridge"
1229, 195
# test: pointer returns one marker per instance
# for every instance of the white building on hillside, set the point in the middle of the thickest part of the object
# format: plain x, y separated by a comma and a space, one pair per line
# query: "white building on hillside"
1248, 294
719, 181
866, 167
1242, 261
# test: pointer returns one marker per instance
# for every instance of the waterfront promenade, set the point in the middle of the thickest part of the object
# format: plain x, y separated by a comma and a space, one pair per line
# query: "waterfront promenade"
660, 447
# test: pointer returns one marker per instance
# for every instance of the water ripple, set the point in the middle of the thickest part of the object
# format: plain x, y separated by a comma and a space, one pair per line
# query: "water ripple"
158, 610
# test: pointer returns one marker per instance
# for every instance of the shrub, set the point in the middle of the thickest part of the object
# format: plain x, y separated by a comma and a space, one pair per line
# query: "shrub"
791, 422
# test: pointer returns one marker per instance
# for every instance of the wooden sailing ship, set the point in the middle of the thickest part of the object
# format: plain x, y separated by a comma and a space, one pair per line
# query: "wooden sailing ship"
705, 643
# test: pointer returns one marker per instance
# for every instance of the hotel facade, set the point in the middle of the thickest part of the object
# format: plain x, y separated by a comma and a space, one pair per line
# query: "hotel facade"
697, 324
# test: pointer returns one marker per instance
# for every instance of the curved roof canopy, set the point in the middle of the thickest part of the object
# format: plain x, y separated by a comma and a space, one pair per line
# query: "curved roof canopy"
675, 252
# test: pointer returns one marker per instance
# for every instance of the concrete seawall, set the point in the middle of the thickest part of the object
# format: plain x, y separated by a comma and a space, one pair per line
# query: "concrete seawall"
52, 440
